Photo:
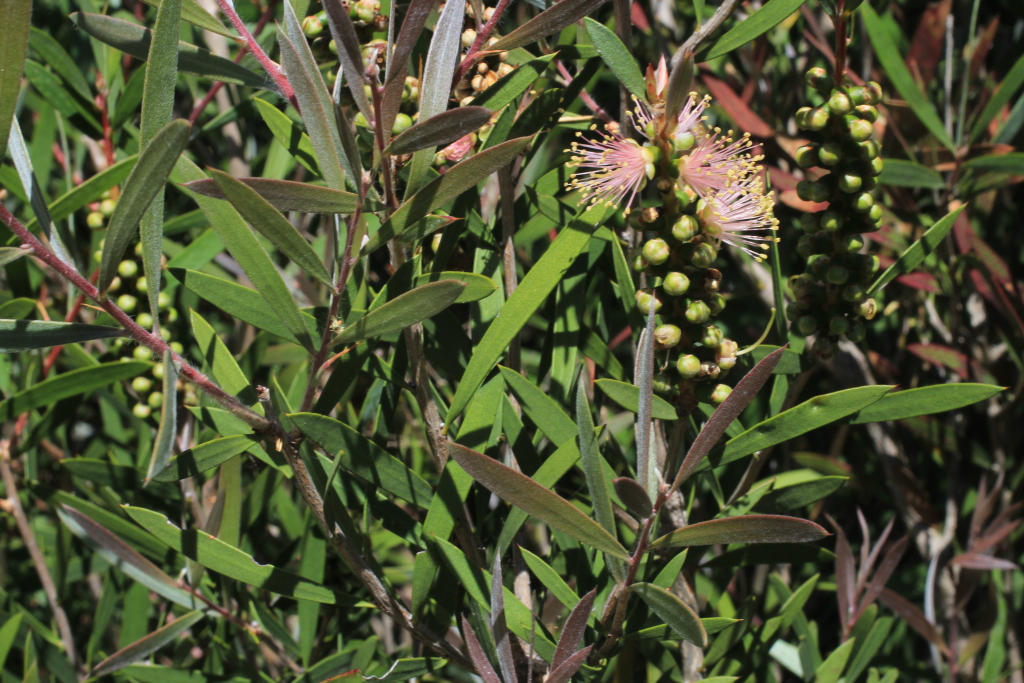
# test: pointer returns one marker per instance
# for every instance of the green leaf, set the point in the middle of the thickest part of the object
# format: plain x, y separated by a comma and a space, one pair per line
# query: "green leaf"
218, 556
289, 135
438, 130
404, 310
239, 302
545, 412
477, 286
1012, 163
674, 611
146, 180
1007, 89
89, 191
908, 174
71, 383
799, 495
250, 255
148, 645
772, 553
832, 668
286, 195
206, 456
893, 65
551, 580
551, 20
443, 189
509, 87
918, 251
221, 364
618, 57
54, 54
531, 293
21, 335
809, 415
628, 396
10, 255
363, 457
870, 645
770, 15
547, 475
404, 669
712, 625
525, 493
924, 401
8, 632
270, 223
743, 529
194, 14
135, 40
17, 16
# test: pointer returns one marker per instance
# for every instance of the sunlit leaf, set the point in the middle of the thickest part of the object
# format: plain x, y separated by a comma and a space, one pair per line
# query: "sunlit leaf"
286, 195
404, 310
918, 251
674, 611
618, 57
551, 20
148, 645
743, 529
21, 335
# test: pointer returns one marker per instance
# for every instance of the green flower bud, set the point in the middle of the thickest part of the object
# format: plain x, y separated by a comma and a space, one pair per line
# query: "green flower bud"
874, 93
716, 302
639, 262
141, 411
703, 255
645, 299
792, 312
869, 148
312, 26
144, 320
867, 308
360, 120
128, 268
684, 141
857, 331
675, 284
155, 400
163, 301
809, 223
158, 370
107, 207
688, 366
807, 325
830, 154
662, 384
172, 315
875, 167
818, 265
141, 285
127, 303
867, 113
860, 130
839, 104
141, 353
862, 202
667, 336
837, 274
850, 183
115, 284
403, 122
853, 293
831, 220
165, 334
686, 228
819, 79
875, 213
805, 246
851, 243
94, 220
177, 347
858, 95
657, 251
817, 119
697, 312
807, 156
712, 335
686, 196
142, 384
812, 191
720, 393
801, 117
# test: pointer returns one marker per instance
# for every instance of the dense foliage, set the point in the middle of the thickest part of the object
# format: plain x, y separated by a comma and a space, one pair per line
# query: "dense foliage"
628, 341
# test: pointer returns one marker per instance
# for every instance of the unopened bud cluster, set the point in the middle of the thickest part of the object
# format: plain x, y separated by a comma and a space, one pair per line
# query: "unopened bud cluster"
830, 296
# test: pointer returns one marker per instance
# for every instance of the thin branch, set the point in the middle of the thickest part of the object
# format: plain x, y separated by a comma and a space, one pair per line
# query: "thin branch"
481, 38
272, 68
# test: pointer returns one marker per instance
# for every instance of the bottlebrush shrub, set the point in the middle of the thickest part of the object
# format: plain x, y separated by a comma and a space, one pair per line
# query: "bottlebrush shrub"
323, 362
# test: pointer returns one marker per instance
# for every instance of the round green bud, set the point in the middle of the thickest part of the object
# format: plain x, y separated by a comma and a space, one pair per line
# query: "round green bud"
807, 325
817, 119
857, 331
869, 148
849, 244
712, 335
807, 156
850, 183
644, 301
875, 213
792, 312
662, 384
657, 251
141, 411
165, 334
684, 141
818, 265
141, 353
697, 312
94, 220
115, 284
812, 191
805, 246
686, 228
862, 202
839, 103
158, 370
831, 220
107, 207
830, 154
144, 320
177, 347
875, 167
128, 268
809, 223
312, 26
403, 122
703, 255
867, 308
360, 121
860, 130
837, 274
686, 196
142, 384
874, 93
819, 79
667, 336
155, 400
822, 243
867, 113
801, 117
127, 303
716, 302
639, 263
720, 393
675, 284
858, 95
853, 293
163, 301
688, 366
141, 285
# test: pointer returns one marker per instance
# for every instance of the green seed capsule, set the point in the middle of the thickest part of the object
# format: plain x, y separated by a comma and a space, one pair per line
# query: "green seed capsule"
644, 300
155, 400
850, 183
867, 308
127, 303
837, 274
657, 251
830, 154
839, 104
686, 228
675, 284
688, 366
141, 411
862, 202
720, 393
703, 255
716, 302
807, 156
831, 220
875, 213
667, 336
403, 122
697, 312
94, 220
853, 293
807, 325
144, 320
860, 130
128, 268
142, 384
857, 332
876, 165
874, 93
712, 335
817, 119
141, 353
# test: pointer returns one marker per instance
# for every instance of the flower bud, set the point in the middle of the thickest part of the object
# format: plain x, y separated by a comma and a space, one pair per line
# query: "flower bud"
127, 303
831, 220
874, 93
792, 312
163, 301
312, 27
727, 348
720, 393
686, 196
144, 320
867, 113
667, 336
869, 148
875, 213
403, 122
819, 79
177, 347
657, 251
805, 246
857, 332
684, 141
837, 274
703, 255
850, 183
860, 130
807, 325
817, 119
801, 117
645, 299
809, 223
141, 411
675, 284
709, 369
688, 366
853, 293
697, 312
639, 263
839, 104
468, 37
712, 335
155, 400
158, 370
875, 167
862, 202
94, 220
807, 156
858, 95
142, 384
851, 243
716, 302
686, 228
661, 383
141, 353
812, 191
867, 308
830, 154
141, 285
107, 207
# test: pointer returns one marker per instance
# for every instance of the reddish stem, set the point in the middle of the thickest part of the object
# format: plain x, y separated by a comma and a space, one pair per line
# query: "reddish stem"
840, 65
481, 38
271, 67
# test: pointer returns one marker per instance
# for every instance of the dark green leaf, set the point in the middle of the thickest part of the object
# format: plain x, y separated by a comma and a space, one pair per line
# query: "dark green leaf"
924, 401
674, 611
21, 335
148, 645
547, 475
54, 54
799, 495
193, 13
832, 668
439, 130
538, 405
71, 383
286, 195
908, 174
17, 15
289, 135
550, 21
1007, 89
768, 16
206, 456
918, 251
743, 529
628, 396
618, 58
1012, 164
89, 191
407, 309
511, 86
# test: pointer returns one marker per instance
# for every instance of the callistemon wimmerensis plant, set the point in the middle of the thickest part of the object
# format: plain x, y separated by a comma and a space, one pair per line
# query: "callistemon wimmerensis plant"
710, 193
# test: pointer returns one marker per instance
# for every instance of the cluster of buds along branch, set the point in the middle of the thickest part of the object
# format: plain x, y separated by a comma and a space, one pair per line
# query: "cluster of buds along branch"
710, 193
830, 297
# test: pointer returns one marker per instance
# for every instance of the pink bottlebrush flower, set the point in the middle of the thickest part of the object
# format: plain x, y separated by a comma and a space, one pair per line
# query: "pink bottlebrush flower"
718, 162
611, 168
738, 214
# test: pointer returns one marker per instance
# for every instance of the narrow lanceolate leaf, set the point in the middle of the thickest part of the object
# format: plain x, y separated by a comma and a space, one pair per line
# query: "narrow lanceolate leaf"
646, 462
723, 416
89, 191
270, 223
135, 40
435, 84
573, 630
218, 556
544, 504
476, 653
913, 615
569, 667
163, 445
72, 383
438, 130
205, 456
196, 15
499, 627
53, 54
925, 401
832, 668
22, 159
148, 645
633, 497
250, 255
511, 86
21, 335
918, 251
743, 529
17, 16
403, 670
443, 189
760, 22
404, 310
527, 298
124, 557
289, 134
1007, 89
617, 56
550, 21
415, 18
10, 255
628, 396
908, 174
146, 180
477, 286
8, 633
349, 52
674, 611
896, 69
286, 195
